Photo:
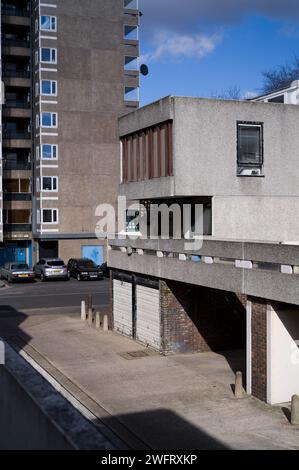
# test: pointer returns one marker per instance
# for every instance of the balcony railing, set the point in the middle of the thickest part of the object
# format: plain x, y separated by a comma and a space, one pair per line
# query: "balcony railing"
9, 135
8, 10
7, 165
17, 228
15, 42
15, 73
24, 104
17, 196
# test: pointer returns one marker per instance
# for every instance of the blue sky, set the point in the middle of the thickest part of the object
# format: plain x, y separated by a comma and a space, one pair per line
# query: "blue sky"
202, 47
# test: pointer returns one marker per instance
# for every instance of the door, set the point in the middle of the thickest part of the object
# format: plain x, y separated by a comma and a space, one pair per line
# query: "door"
148, 316
93, 252
122, 307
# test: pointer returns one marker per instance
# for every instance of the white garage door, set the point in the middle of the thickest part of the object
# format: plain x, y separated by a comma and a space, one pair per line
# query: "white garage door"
122, 307
148, 316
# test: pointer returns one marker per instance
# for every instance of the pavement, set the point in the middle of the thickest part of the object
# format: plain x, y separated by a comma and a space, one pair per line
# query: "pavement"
149, 401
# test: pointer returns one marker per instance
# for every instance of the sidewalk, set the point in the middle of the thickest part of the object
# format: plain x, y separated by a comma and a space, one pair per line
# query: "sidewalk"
176, 402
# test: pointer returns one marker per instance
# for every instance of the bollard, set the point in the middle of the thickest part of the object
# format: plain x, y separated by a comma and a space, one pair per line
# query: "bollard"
98, 320
89, 301
105, 323
239, 385
90, 316
83, 310
295, 410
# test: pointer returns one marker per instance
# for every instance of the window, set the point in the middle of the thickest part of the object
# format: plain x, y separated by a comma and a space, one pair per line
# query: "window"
48, 55
48, 23
50, 183
131, 63
49, 152
37, 121
48, 119
50, 216
250, 148
49, 87
37, 153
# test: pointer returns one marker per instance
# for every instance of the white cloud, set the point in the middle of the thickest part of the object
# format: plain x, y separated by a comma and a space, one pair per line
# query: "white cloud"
178, 46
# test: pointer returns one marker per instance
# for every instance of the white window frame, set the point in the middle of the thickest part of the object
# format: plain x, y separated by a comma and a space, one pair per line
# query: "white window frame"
46, 29
51, 86
52, 214
52, 152
50, 190
51, 49
51, 126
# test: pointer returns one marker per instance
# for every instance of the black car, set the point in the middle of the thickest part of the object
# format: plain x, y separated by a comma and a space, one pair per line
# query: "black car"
84, 269
105, 269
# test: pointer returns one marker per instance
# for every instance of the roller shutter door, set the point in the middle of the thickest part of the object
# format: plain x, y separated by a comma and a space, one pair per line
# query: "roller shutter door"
148, 316
122, 307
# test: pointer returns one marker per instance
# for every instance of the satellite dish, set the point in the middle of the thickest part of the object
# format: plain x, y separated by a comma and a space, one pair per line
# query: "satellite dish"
144, 70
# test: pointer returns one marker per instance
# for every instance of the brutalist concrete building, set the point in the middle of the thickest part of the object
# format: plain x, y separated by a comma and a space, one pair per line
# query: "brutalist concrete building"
70, 69
238, 289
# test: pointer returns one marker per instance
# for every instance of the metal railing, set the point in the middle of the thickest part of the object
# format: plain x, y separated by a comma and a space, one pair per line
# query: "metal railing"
16, 135
17, 227
8, 165
17, 196
24, 104
9, 10
15, 73
15, 42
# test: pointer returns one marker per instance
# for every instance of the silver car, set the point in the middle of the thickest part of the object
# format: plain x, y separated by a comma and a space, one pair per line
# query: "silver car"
14, 272
51, 269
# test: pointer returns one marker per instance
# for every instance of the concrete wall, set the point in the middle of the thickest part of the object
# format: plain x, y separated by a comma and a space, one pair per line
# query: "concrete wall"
205, 164
283, 354
23, 426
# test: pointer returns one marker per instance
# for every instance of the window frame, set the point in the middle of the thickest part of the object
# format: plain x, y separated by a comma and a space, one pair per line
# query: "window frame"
53, 30
251, 165
51, 49
52, 216
52, 152
51, 87
51, 126
50, 190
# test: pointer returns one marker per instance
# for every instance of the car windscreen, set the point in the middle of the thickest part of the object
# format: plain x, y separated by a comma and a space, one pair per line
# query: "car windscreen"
55, 264
19, 267
86, 264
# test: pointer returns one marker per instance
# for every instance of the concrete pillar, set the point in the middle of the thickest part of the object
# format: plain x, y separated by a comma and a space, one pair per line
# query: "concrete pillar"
295, 410
98, 320
90, 316
105, 323
239, 385
83, 310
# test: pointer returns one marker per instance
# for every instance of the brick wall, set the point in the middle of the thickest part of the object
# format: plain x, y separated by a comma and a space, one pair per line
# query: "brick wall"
259, 348
196, 319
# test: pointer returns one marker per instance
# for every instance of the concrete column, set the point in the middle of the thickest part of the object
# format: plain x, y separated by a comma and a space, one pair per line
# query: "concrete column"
105, 323
83, 310
98, 320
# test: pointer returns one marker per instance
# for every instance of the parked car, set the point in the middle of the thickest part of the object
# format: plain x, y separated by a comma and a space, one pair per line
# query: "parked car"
51, 269
17, 272
84, 268
105, 269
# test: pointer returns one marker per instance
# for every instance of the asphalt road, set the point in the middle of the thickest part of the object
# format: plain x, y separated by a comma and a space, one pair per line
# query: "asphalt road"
58, 295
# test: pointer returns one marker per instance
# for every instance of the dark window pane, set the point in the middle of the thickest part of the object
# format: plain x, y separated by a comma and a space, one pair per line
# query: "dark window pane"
249, 145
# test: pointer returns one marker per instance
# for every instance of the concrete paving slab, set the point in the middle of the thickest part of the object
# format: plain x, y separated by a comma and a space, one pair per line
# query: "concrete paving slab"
175, 402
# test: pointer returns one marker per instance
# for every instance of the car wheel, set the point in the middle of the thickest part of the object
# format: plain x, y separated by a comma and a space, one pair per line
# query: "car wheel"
78, 277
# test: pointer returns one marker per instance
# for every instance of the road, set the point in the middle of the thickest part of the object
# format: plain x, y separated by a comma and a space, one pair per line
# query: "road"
62, 295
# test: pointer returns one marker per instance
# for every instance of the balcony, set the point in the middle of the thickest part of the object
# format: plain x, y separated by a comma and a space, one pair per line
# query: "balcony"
16, 135
23, 104
8, 73
11, 10
17, 228
17, 166
17, 197
6, 42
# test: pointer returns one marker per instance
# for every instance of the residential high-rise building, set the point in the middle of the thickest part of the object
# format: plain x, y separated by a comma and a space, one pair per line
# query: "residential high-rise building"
69, 69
